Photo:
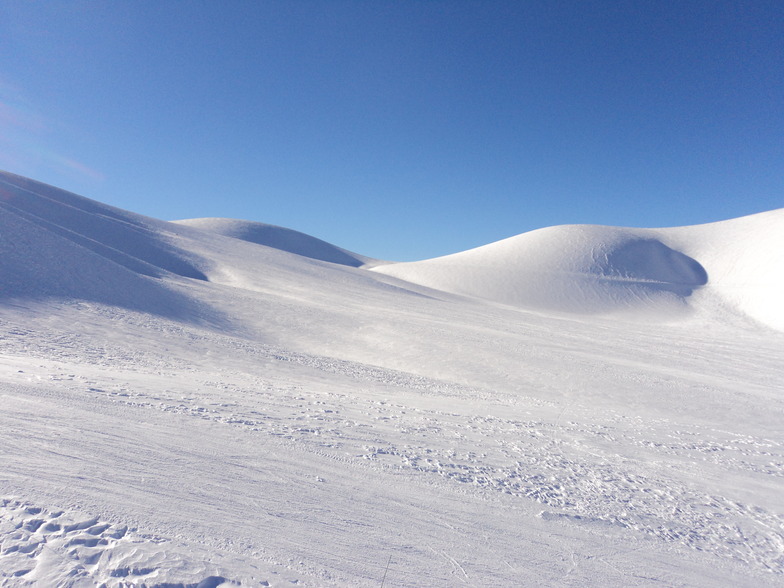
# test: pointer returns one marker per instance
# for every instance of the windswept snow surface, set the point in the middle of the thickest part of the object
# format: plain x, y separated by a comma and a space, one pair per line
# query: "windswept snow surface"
179, 407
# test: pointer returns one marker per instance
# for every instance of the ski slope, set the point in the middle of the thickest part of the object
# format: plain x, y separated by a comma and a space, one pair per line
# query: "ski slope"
217, 402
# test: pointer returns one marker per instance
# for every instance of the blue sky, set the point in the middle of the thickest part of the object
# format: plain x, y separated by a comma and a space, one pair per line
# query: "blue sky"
401, 130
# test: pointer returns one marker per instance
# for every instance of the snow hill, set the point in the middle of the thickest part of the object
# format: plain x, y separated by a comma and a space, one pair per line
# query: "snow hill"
279, 238
57, 245
218, 402
597, 269
732, 266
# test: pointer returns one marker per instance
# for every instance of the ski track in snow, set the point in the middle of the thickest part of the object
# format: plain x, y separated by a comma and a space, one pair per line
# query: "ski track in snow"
561, 457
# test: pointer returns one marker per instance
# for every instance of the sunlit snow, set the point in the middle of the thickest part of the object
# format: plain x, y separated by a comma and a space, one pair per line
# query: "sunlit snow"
217, 402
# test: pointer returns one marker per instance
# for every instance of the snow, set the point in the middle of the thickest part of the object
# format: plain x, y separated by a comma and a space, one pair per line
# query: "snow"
744, 258
279, 238
198, 402
594, 269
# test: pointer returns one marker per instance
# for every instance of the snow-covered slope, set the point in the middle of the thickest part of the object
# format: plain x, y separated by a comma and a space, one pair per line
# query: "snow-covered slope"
597, 269
279, 238
182, 407
60, 246
744, 258
57, 245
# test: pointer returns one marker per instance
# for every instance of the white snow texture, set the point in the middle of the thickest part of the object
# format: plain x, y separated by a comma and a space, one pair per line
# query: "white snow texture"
218, 402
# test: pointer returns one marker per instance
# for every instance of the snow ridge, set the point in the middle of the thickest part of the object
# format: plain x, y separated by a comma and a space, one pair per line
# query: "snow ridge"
59, 244
588, 269
278, 238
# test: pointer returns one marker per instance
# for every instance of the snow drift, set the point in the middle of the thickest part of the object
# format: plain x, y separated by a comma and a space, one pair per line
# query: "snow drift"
578, 269
55, 244
744, 258
58, 244
591, 269
277, 238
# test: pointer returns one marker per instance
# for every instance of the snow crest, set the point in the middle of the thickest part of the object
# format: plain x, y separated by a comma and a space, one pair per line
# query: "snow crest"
277, 238
54, 244
588, 269
572, 268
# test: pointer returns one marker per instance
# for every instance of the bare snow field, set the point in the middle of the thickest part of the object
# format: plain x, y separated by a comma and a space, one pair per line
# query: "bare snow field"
224, 403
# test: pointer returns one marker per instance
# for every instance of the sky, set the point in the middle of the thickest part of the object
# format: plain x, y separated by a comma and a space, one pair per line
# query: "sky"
401, 130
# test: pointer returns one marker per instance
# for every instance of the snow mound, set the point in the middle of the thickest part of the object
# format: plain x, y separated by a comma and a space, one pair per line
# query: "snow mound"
54, 244
277, 238
744, 258
572, 268
128, 239
598, 269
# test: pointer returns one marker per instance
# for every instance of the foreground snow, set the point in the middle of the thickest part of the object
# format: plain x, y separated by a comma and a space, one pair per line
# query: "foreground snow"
183, 407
